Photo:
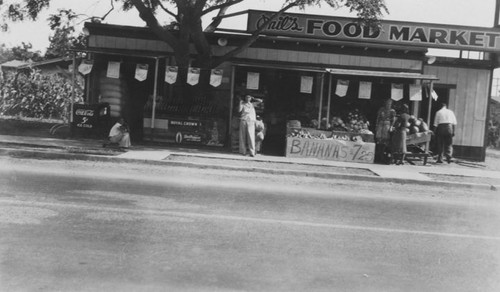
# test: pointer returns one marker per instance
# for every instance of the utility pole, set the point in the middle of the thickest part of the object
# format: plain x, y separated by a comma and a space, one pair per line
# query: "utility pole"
497, 14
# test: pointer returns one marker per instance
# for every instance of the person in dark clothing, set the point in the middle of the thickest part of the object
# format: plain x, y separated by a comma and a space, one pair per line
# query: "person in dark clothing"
401, 125
385, 120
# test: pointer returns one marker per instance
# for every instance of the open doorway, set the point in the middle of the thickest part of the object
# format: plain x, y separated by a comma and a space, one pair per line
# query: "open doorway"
443, 94
284, 100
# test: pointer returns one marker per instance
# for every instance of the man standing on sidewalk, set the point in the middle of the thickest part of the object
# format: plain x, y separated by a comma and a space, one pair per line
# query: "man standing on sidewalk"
444, 124
247, 124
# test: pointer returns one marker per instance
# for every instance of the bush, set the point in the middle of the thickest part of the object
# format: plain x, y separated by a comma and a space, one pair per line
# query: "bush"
35, 95
493, 134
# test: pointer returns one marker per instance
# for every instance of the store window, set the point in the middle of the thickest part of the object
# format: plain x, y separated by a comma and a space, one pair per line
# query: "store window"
195, 113
353, 102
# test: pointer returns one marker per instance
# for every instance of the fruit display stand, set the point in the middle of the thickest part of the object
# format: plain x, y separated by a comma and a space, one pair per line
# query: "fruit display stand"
329, 145
418, 147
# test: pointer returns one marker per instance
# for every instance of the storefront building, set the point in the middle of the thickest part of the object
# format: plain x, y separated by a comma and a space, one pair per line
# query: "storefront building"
326, 75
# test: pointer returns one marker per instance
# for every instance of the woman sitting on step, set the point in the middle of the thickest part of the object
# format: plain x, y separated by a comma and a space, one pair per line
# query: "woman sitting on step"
120, 134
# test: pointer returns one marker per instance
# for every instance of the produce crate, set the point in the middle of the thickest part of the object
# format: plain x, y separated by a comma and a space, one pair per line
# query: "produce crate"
418, 138
417, 146
347, 136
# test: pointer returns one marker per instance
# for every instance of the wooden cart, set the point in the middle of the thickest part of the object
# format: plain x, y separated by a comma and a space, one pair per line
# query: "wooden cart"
418, 147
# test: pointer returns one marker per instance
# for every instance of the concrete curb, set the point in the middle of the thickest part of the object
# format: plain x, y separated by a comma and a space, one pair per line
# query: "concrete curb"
17, 153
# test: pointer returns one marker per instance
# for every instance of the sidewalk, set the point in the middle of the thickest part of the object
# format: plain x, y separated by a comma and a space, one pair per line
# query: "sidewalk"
460, 173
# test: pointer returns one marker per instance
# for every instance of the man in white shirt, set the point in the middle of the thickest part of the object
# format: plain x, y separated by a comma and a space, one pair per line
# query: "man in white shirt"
444, 124
247, 124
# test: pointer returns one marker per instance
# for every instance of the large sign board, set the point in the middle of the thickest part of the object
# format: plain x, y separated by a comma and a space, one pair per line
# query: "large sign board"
391, 32
330, 149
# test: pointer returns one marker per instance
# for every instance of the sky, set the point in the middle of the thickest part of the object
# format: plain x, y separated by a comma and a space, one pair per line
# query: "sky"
458, 12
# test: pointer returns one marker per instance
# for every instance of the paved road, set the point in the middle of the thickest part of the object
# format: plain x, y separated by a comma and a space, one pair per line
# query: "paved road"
89, 226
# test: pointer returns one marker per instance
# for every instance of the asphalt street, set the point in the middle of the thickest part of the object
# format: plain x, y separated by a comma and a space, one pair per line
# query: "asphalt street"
95, 226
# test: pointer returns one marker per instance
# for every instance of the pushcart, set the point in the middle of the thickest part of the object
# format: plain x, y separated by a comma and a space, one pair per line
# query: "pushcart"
418, 147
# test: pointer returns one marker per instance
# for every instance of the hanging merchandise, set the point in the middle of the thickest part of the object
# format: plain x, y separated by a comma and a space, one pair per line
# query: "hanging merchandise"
306, 84
253, 80
365, 89
342, 86
85, 67
434, 95
171, 74
141, 72
415, 92
216, 77
396, 91
193, 75
113, 70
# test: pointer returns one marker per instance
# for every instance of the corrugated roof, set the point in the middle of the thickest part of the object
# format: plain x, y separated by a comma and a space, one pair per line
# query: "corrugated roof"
14, 64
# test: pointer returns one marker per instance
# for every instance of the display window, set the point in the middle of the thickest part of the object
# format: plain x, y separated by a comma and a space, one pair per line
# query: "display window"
351, 103
189, 110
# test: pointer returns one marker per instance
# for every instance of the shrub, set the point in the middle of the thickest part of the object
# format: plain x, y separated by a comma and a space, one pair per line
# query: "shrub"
34, 95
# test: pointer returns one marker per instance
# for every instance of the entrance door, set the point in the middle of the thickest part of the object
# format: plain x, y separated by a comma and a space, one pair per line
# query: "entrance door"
443, 94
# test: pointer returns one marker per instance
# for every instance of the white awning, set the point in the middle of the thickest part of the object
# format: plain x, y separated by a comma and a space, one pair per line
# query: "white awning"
370, 73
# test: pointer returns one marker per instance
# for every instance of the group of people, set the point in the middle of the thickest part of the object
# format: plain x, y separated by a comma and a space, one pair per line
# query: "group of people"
252, 129
392, 129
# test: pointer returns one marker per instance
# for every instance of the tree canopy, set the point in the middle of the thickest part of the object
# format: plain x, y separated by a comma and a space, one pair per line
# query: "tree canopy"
187, 15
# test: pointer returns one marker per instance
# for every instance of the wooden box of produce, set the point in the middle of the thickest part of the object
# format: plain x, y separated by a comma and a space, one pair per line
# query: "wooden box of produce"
418, 138
340, 135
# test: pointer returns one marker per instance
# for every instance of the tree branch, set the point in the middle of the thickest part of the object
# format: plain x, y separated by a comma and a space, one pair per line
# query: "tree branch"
112, 8
168, 11
221, 6
147, 15
255, 35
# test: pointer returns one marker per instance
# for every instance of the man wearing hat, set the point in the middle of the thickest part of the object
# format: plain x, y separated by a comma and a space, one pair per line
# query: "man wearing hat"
247, 124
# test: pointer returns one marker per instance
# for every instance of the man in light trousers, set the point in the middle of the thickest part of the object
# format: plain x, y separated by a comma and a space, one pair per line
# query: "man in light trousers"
247, 124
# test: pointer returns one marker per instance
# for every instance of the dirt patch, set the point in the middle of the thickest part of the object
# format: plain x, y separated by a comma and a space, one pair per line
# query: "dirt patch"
463, 179
270, 165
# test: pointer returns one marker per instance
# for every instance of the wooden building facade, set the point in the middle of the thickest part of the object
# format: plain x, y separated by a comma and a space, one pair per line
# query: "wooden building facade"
282, 59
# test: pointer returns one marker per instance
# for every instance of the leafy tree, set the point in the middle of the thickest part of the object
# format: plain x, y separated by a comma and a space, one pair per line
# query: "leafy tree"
5, 54
188, 15
15, 11
64, 36
23, 52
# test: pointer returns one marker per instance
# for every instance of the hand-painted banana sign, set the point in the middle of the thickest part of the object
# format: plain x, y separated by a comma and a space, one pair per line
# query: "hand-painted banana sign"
391, 32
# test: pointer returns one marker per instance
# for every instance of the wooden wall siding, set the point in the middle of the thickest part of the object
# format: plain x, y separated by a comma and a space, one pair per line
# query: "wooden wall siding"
469, 101
123, 43
264, 54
